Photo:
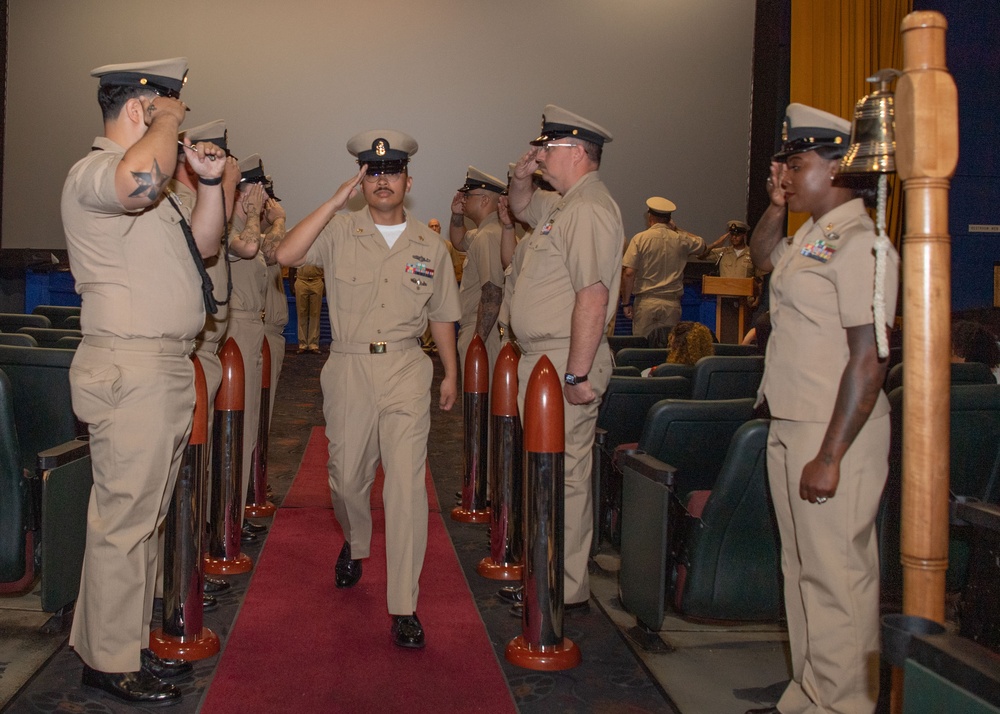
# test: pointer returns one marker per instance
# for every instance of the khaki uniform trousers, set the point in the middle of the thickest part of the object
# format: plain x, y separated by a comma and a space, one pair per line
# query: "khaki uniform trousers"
208, 355
138, 406
377, 407
650, 312
829, 557
308, 303
276, 343
248, 331
578, 505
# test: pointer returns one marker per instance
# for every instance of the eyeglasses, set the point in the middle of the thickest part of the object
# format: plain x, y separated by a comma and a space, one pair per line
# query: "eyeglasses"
553, 144
391, 177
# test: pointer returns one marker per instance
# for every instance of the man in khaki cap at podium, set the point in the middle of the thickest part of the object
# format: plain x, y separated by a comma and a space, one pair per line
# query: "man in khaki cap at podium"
563, 297
654, 270
387, 276
134, 253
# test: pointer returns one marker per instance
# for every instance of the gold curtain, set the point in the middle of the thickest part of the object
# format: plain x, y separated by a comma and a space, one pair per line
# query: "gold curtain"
836, 44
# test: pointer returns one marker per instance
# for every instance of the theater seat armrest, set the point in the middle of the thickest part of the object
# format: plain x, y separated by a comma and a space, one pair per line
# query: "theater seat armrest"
62, 454
651, 467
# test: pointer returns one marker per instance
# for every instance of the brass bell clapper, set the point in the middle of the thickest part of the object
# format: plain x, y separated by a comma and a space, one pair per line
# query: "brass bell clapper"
873, 150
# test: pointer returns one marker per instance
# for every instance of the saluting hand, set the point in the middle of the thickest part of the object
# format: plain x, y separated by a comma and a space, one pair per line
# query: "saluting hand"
273, 210
503, 211
527, 164
205, 158
458, 204
774, 189
158, 107
349, 188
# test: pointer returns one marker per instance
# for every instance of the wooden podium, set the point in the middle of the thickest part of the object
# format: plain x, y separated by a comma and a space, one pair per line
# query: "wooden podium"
730, 305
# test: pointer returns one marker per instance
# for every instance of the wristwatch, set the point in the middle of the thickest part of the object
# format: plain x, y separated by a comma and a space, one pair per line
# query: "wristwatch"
573, 379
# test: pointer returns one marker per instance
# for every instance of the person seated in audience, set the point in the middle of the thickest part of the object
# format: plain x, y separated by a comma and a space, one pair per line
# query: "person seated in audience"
758, 334
688, 342
971, 342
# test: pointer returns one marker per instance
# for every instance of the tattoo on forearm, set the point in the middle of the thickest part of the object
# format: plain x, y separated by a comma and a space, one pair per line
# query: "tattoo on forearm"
272, 239
149, 183
457, 220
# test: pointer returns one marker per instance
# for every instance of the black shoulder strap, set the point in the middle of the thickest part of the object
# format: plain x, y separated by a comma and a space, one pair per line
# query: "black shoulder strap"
211, 306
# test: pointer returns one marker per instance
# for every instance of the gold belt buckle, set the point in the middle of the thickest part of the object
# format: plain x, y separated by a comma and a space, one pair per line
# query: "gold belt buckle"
377, 348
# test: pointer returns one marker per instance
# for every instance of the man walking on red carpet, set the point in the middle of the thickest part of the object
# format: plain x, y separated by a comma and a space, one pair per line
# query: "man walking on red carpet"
387, 276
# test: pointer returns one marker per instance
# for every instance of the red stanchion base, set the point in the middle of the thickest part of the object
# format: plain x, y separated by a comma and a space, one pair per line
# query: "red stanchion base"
565, 655
228, 566
202, 646
263, 510
470, 516
499, 571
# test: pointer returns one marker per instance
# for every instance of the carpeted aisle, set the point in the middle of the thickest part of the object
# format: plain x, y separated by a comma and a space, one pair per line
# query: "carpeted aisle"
300, 644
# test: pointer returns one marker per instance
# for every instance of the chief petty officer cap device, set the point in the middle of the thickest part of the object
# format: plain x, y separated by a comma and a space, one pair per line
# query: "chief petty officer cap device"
384, 150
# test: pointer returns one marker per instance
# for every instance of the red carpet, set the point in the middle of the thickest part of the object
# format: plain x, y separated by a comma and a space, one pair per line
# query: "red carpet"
300, 645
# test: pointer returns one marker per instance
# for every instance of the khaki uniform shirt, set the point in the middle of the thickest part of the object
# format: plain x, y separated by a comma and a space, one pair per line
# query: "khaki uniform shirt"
383, 294
275, 300
732, 265
658, 256
134, 271
482, 265
215, 325
822, 283
249, 283
577, 242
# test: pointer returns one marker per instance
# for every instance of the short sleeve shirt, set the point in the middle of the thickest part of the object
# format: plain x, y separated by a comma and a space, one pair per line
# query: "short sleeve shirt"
577, 241
658, 256
822, 284
733, 264
133, 269
275, 300
377, 293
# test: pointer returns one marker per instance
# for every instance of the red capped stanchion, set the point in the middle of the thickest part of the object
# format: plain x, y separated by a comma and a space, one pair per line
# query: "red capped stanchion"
224, 556
183, 635
506, 473
541, 645
476, 402
257, 504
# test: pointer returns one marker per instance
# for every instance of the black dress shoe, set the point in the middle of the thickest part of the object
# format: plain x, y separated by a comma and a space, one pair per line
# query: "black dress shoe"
407, 631
216, 585
208, 603
134, 687
764, 710
163, 668
248, 536
348, 571
511, 593
254, 527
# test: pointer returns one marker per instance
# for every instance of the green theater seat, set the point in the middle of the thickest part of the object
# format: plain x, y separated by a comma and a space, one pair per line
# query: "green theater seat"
727, 377
58, 314
13, 321
682, 450
47, 336
961, 373
641, 358
620, 421
619, 342
17, 339
16, 550
729, 566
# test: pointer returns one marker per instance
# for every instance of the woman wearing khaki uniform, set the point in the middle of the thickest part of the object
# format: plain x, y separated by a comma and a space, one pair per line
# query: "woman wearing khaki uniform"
827, 454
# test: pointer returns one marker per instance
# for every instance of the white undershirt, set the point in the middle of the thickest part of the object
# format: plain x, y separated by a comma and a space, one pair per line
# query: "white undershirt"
391, 233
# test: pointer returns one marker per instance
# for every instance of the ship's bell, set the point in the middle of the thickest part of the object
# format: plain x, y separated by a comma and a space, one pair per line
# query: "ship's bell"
873, 133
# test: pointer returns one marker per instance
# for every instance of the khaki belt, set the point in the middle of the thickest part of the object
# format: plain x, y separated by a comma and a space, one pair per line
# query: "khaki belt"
159, 345
375, 348
554, 343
